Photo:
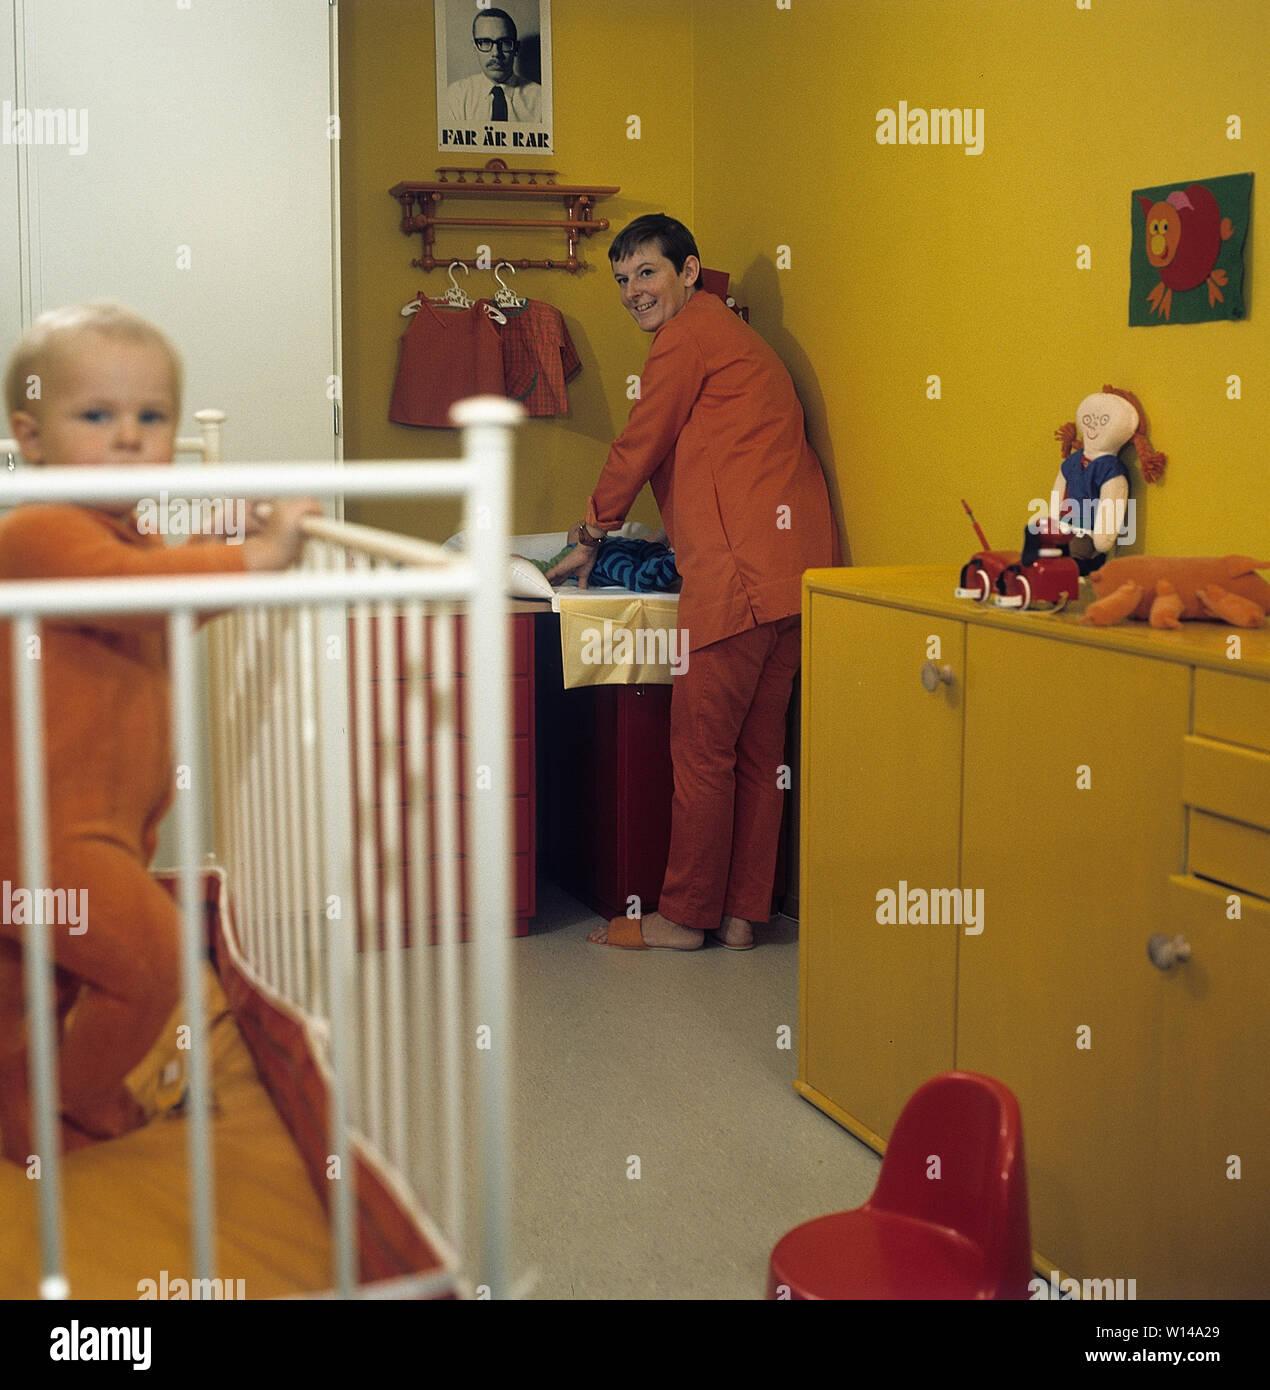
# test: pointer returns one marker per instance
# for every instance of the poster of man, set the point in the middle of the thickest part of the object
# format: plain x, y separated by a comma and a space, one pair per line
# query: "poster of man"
493, 76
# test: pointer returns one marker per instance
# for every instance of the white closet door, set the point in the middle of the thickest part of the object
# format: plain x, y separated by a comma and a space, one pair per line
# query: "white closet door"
202, 196
11, 259
195, 180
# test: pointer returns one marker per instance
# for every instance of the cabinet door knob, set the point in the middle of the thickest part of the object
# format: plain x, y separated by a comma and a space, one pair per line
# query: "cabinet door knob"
1167, 951
933, 675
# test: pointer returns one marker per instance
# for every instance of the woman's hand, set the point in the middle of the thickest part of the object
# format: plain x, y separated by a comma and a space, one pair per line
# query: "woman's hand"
580, 562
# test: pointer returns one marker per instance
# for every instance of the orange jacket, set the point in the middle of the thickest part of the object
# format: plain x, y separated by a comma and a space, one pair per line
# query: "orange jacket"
719, 434
107, 744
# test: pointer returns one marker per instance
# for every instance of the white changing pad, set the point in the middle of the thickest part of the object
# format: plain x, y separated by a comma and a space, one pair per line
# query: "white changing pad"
527, 581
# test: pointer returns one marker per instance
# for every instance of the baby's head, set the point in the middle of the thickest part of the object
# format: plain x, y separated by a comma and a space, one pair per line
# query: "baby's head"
94, 384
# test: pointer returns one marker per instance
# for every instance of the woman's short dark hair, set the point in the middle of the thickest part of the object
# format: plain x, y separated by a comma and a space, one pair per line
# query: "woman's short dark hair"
673, 239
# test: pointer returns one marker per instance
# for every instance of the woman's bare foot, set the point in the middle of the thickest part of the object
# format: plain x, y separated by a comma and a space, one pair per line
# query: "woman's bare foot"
657, 930
736, 933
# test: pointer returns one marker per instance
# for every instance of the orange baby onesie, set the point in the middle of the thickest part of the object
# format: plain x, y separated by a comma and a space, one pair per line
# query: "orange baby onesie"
108, 760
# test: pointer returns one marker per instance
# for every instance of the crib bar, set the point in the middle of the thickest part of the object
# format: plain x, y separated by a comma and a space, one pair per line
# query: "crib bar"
316, 921
488, 702
372, 478
248, 591
308, 757
272, 896
283, 903
266, 817
249, 783
186, 753
340, 918
369, 1111
449, 1019
421, 1020
390, 783
381, 545
224, 753
296, 813
28, 687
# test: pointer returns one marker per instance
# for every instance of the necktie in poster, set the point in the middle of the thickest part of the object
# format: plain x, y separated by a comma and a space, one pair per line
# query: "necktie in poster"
493, 76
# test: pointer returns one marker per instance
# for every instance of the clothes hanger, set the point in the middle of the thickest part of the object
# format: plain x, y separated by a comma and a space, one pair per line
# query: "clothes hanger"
453, 298
454, 295
505, 296
456, 298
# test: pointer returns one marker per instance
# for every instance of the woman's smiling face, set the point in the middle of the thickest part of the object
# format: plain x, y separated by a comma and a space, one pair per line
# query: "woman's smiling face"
652, 290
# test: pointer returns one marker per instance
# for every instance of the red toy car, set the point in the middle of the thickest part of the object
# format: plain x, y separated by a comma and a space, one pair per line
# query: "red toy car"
1053, 577
980, 574
1042, 573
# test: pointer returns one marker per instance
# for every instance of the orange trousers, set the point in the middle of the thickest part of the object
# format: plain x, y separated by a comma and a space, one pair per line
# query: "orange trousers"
727, 749
120, 969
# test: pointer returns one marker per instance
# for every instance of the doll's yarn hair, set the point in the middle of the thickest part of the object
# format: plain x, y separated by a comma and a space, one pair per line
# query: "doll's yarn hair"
1150, 459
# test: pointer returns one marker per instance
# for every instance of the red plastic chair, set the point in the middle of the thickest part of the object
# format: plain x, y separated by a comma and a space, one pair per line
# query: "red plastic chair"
961, 1234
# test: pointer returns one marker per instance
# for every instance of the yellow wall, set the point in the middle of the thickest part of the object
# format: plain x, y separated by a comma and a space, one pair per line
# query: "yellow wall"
759, 130
910, 261
606, 68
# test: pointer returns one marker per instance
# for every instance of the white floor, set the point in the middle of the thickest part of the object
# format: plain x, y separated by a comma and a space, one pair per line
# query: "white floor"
661, 1150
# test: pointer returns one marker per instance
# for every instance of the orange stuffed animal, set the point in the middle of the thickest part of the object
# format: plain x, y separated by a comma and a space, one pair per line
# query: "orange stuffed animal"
1164, 592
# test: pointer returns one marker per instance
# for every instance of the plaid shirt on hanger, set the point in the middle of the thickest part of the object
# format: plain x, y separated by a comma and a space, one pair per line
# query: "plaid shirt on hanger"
538, 358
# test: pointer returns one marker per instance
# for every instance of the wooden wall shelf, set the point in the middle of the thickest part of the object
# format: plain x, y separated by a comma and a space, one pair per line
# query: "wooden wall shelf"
420, 202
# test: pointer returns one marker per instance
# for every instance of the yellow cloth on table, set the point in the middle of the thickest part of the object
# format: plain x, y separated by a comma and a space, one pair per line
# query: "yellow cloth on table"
620, 641
126, 1203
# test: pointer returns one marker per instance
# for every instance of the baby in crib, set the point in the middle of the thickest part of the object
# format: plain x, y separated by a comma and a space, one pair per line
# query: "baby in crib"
96, 385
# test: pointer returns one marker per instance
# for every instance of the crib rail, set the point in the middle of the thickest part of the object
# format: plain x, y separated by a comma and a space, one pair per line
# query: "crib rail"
415, 1038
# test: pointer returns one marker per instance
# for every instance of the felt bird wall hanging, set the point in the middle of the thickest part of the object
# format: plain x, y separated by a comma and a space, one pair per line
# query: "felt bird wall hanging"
1187, 259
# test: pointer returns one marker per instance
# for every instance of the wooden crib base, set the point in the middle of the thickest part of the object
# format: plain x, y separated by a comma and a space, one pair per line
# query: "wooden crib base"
126, 1205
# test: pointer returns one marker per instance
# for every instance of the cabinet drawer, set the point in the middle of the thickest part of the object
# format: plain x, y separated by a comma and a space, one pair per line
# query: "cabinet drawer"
1234, 708
1194, 907
1229, 852
1227, 780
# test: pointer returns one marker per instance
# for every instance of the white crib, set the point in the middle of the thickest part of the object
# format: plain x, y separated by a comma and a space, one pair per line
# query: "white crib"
412, 1043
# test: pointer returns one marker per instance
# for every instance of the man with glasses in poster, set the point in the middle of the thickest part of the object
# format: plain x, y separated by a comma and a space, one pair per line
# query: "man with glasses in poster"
496, 92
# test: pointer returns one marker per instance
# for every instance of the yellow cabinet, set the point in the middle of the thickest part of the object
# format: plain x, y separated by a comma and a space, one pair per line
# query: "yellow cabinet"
881, 995
1096, 801
1073, 825
1210, 1192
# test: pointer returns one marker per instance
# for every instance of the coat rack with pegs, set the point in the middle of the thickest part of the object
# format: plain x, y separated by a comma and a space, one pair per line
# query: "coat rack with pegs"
420, 202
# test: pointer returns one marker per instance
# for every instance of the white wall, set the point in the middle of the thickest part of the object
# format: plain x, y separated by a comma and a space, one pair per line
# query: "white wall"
202, 197
202, 194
